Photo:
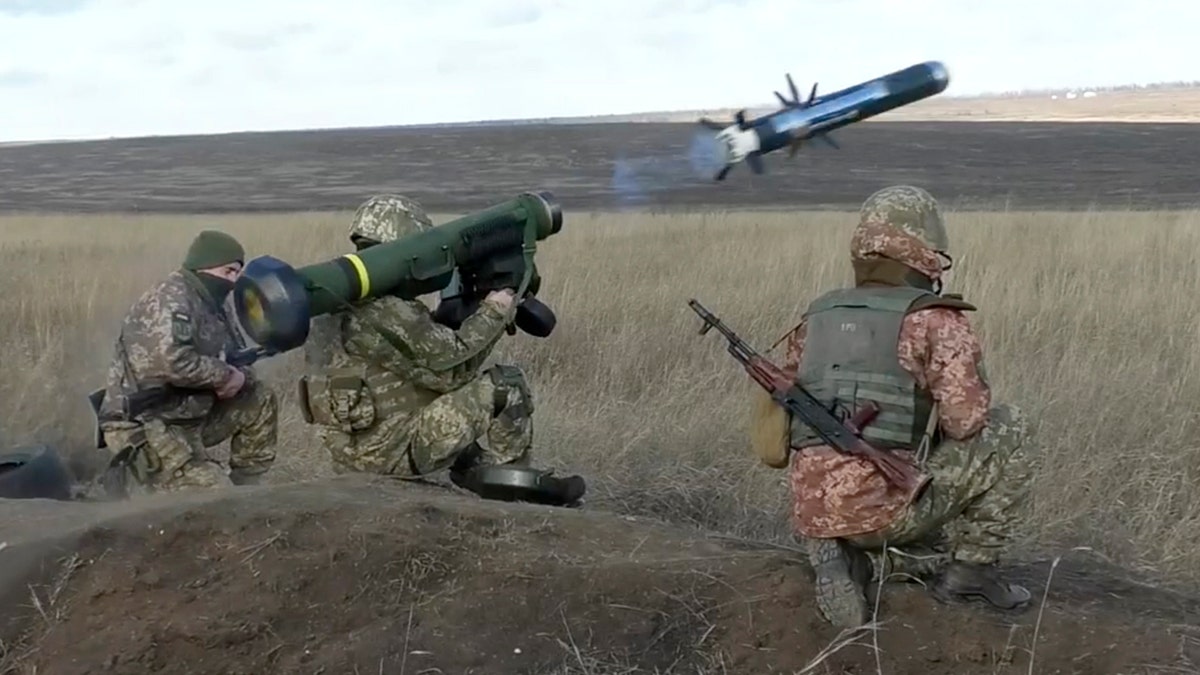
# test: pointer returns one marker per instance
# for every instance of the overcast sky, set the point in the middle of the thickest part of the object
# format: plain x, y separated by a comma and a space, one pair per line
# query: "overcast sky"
99, 68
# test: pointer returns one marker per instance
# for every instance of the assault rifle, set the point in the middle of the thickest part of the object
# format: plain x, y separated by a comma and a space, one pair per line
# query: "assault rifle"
143, 399
844, 436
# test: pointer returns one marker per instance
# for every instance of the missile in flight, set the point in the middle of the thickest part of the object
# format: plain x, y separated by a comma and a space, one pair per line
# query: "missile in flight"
798, 121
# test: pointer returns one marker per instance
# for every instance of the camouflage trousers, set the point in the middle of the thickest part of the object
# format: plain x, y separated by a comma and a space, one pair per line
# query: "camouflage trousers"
977, 497
430, 439
179, 451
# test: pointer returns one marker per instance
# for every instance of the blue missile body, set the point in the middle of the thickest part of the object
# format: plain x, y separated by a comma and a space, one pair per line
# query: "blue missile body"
798, 121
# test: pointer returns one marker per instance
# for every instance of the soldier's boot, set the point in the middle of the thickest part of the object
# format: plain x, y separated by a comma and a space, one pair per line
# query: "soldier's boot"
466, 460
910, 563
962, 580
570, 489
841, 576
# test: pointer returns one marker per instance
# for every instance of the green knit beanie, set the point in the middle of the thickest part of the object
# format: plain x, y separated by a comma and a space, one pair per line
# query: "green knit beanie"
211, 248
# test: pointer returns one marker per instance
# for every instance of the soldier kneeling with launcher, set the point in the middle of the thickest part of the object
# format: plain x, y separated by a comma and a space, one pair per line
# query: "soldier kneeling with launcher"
395, 392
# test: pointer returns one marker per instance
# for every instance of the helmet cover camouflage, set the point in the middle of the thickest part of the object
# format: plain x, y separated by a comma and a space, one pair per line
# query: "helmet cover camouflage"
385, 218
910, 209
902, 223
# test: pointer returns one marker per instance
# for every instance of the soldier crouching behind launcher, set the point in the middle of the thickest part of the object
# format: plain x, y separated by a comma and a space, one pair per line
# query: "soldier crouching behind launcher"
170, 395
893, 340
394, 392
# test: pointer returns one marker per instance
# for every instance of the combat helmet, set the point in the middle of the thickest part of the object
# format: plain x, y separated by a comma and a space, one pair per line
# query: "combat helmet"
385, 218
903, 223
910, 209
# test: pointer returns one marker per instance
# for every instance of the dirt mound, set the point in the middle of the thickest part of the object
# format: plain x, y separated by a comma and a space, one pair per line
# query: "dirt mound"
355, 575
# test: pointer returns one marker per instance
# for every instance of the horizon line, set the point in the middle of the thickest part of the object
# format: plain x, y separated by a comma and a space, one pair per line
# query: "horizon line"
603, 118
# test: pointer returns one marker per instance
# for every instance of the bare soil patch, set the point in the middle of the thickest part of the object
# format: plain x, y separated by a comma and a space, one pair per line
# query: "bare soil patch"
368, 575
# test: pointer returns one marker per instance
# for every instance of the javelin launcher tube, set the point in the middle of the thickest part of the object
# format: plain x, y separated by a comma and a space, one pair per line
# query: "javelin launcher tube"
815, 118
275, 301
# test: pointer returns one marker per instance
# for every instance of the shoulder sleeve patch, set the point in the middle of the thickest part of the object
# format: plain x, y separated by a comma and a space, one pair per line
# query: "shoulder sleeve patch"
181, 328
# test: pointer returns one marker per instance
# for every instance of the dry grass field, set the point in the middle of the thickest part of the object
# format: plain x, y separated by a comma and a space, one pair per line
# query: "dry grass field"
1089, 322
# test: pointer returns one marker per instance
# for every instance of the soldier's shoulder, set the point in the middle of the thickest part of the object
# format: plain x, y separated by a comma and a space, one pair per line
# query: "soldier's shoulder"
939, 323
950, 301
163, 310
175, 287
390, 306
169, 292
389, 312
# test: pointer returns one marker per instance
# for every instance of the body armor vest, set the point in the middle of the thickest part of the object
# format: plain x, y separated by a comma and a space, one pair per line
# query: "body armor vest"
850, 358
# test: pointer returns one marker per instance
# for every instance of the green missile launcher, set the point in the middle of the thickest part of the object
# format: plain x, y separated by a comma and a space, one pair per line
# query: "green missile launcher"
464, 259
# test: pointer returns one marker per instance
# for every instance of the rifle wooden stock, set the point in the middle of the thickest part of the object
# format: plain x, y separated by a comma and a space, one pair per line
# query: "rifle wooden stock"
897, 472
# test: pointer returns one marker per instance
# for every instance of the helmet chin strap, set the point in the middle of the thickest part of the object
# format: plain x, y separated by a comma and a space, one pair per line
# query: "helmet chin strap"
939, 284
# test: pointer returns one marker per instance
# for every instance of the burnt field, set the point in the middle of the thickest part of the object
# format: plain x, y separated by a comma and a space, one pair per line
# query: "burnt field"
969, 165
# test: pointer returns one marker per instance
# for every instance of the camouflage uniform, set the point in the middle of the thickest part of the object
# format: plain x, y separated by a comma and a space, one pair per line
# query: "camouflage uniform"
936, 411
394, 392
176, 335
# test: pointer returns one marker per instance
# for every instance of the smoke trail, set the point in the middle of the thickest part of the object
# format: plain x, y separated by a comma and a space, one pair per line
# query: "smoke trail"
636, 180
705, 154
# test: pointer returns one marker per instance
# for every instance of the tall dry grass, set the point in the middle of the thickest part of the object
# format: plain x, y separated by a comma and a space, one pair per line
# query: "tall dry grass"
1089, 322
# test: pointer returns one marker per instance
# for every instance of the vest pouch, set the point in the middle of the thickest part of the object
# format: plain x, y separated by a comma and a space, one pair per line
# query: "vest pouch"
851, 357
339, 400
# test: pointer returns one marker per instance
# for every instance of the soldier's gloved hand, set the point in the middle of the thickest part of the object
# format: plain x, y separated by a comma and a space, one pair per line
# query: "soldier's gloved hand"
232, 385
503, 300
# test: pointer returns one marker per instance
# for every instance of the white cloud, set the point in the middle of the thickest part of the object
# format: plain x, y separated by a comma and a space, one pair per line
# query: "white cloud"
97, 68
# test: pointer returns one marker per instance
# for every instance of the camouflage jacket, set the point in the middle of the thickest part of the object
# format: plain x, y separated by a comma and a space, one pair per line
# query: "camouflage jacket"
177, 335
387, 359
838, 495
